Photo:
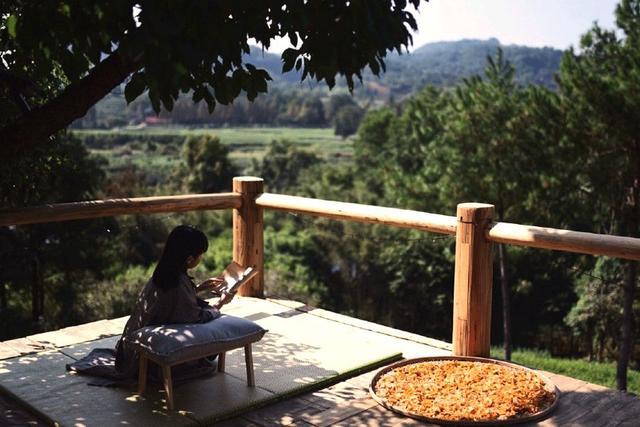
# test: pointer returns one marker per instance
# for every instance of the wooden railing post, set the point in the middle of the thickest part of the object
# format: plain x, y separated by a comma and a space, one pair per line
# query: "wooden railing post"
473, 281
248, 241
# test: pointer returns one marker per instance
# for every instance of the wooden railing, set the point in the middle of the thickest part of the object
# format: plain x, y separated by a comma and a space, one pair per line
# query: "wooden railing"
473, 226
112, 207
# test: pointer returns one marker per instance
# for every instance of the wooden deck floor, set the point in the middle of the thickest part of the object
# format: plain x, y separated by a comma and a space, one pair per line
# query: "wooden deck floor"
348, 403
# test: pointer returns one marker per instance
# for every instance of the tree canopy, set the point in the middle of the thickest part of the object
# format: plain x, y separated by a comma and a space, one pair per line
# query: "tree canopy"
60, 57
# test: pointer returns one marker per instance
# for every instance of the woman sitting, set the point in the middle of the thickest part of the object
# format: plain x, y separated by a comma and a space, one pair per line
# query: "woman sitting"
168, 298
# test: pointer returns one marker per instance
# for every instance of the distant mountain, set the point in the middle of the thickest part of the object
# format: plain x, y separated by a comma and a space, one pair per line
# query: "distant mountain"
455, 60
438, 64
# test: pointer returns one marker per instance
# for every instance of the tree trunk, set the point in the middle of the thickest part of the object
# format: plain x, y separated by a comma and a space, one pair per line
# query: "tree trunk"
34, 293
36, 126
39, 308
627, 324
631, 274
36, 288
3, 297
506, 301
590, 344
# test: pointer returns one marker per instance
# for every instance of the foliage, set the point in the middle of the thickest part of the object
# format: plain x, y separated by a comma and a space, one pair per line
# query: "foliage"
206, 167
292, 262
478, 143
347, 120
111, 298
592, 372
60, 172
394, 277
596, 316
336, 103
167, 48
282, 164
132, 164
601, 83
443, 64
309, 112
447, 63
219, 253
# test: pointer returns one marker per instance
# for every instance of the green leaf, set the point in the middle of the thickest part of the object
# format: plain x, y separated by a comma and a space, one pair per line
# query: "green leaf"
12, 21
375, 68
261, 85
135, 87
198, 94
167, 101
293, 38
155, 101
211, 105
288, 59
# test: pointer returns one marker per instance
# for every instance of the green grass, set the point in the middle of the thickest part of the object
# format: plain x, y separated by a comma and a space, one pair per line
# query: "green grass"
245, 145
252, 140
598, 373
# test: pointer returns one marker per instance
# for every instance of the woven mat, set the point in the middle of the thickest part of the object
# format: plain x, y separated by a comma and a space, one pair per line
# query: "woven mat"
300, 352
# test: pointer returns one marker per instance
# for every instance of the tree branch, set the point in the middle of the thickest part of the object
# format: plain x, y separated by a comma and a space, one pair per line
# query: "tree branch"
36, 126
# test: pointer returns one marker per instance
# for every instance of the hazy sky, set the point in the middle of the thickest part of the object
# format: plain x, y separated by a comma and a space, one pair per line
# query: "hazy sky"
555, 23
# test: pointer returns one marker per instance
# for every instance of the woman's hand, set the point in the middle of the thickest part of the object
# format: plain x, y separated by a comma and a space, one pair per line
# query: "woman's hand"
213, 284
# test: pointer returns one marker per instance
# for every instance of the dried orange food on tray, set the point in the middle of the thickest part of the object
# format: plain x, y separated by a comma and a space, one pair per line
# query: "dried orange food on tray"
464, 390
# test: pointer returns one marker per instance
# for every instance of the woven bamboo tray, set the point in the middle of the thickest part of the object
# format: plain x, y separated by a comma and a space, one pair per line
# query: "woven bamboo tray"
516, 420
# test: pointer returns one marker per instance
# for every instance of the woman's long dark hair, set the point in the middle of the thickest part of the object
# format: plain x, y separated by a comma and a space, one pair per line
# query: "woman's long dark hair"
183, 241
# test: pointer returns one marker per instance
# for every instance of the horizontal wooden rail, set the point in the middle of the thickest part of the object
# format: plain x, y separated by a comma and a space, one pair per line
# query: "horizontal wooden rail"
565, 240
501, 232
362, 213
111, 207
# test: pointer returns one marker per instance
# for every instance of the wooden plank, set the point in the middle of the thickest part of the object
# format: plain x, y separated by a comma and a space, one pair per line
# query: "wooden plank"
473, 281
96, 330
627, 411
340, 393
27, 346
565, 240
565, 384
238, 421
340, 412
13, 414
377, 416
59, 338
7, 352
287, 412
112, 207
119, 323
361, 213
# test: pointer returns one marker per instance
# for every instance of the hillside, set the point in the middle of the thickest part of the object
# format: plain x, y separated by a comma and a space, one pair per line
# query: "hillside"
446, 63
439, 64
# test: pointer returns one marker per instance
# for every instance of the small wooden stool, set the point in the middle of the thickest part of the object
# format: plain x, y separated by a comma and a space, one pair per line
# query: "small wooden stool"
170, 345
145, 356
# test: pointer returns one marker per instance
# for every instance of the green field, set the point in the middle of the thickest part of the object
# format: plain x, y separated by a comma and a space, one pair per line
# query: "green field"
593, 372
244, 143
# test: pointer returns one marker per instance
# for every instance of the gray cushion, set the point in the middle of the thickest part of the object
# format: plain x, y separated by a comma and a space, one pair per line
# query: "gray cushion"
176, 343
